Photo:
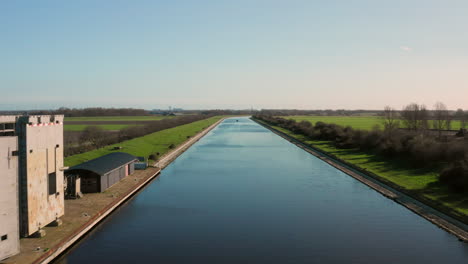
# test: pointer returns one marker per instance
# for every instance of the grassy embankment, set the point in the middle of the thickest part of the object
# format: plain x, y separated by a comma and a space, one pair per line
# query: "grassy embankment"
69, 126
420, 182
149, 144
357, 122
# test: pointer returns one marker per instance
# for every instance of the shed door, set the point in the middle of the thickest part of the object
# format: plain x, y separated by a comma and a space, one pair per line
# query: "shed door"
127, 170
90, 184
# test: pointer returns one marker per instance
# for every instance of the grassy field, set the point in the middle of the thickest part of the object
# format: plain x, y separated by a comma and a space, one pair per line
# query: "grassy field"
420, 181
80, 123
357, 122
149, 144
82, 127
117, 118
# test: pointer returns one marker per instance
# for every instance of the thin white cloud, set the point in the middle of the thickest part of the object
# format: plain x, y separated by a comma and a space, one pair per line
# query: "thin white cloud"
406, 48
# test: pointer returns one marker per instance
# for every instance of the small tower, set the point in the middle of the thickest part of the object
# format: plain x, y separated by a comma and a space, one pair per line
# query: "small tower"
41, 180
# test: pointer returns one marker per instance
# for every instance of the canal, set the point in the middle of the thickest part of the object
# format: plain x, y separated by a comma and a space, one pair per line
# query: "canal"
245, 195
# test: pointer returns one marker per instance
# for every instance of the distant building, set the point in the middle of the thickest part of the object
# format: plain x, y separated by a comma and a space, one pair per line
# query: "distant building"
99, 174
9, 208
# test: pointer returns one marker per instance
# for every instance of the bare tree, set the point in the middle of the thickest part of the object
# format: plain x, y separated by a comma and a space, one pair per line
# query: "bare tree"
459, 114
408, 116
440, 117
391, 121
415, 117
94, 135
448, 121
464, 121
462, 117
423, 117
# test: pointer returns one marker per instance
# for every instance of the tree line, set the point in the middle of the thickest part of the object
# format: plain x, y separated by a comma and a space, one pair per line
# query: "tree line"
415, 143
418, 117
321, 112
414, 116
92, 111
101, 111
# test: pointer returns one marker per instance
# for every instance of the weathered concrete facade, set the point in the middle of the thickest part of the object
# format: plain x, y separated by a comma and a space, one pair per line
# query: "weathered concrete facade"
41, 190
9, 210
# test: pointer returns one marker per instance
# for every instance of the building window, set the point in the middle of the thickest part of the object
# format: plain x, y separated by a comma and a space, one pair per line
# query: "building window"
4, 237
52, 183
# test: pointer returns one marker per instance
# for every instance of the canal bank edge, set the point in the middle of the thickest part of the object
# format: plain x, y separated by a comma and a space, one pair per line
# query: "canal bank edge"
442, 217
83, 230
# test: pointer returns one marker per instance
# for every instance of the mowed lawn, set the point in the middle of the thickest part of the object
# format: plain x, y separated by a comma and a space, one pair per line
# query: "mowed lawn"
149, 144
357, 122
421, 181
118, 118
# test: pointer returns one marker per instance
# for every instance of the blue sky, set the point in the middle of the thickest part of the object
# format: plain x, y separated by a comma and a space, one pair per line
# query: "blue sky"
233, 54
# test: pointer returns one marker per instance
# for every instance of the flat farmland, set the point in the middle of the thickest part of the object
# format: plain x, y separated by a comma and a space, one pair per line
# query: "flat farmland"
152, 143
357, 122
112, 123
105, 127
117, 118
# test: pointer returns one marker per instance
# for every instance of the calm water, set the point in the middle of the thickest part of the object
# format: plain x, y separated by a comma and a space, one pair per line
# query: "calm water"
244, 195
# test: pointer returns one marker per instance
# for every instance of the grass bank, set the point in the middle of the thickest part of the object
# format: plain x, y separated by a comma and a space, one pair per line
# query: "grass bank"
416, 182
146, 145
357, 122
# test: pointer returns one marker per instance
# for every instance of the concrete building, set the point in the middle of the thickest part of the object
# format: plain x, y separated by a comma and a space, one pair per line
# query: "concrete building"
99, 174
9, 208
41, 179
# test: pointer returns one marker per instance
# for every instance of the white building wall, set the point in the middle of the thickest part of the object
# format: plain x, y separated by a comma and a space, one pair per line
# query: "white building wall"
9, 212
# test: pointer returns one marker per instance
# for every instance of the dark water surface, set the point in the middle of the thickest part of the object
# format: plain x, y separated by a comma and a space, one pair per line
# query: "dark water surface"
244, 195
